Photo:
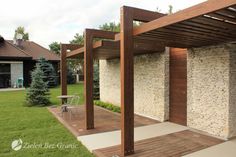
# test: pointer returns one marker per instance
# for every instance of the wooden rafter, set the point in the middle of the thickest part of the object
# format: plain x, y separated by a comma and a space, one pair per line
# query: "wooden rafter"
189, 13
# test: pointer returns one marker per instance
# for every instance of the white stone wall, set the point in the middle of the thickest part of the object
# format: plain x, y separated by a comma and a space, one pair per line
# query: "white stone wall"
151, 84
16, 72
211, 94
232, 90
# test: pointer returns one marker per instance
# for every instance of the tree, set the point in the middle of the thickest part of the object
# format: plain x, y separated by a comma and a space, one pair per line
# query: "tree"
78, 39
49, 73
21, 30
112, 26
38, 93
158, 10
77, 64
1, 39
55, 47
170, 11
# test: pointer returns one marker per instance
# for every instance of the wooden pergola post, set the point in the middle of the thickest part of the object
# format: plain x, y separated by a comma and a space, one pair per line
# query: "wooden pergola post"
89, 35
88, 79
63, 70
127, 81
63, 66
128, 15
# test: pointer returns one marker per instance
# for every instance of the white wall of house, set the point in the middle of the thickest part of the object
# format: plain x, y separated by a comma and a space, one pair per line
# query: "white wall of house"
211, 95
16, 72
151, 84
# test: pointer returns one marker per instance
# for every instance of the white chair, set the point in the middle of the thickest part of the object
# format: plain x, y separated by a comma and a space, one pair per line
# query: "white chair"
72, 109
64, 106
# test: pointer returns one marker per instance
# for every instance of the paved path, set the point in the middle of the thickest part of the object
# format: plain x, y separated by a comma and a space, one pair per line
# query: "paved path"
226, 149
107, 139
10, 89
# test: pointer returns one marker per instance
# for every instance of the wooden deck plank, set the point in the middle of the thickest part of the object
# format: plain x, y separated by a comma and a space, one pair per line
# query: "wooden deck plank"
171, 145
104, 120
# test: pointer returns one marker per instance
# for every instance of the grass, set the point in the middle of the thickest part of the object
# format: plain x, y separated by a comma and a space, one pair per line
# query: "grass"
35, 125
108, 106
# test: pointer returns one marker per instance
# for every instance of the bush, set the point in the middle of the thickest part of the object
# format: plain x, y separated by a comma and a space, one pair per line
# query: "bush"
38, 93
108, 106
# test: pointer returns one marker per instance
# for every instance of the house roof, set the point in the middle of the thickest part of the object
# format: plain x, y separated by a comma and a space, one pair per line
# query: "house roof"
10, 51
36, 51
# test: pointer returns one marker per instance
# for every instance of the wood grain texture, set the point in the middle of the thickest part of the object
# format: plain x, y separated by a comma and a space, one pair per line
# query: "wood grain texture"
171, 145
63, 70
189, 13
88, 80
178, 86
127, 81
89, 36
104, 120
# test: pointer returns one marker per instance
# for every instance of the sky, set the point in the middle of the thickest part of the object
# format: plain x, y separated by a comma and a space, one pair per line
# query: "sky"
47, 21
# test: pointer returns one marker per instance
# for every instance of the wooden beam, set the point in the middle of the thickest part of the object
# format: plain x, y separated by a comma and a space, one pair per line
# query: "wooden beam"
145, 15
63, 71
72, 47
94, 34
192, 12
75, 53
88, 79
142, 16
101, 34
127, 81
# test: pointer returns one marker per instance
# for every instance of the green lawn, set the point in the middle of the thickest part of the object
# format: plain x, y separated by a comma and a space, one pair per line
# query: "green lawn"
36, 126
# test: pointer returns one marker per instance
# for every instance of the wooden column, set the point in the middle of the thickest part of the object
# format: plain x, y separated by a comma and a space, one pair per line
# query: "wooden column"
88, 79
89, 35
127, 81
63, 70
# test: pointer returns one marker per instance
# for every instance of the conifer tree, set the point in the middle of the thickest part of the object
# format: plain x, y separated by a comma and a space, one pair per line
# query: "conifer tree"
38, 93
49, 74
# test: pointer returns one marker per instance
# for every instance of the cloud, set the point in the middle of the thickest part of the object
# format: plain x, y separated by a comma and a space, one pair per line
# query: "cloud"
59, 20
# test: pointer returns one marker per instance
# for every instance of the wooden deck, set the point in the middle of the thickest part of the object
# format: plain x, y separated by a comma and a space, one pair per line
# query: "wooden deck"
104, 120
171, 145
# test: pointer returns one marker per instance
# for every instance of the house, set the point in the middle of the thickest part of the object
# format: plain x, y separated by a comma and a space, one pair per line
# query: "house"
17, 60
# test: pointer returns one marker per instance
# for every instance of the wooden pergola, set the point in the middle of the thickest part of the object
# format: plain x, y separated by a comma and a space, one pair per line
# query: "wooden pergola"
209, 23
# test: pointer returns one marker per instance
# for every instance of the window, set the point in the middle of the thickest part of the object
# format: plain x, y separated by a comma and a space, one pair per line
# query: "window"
5, 68
5, 75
